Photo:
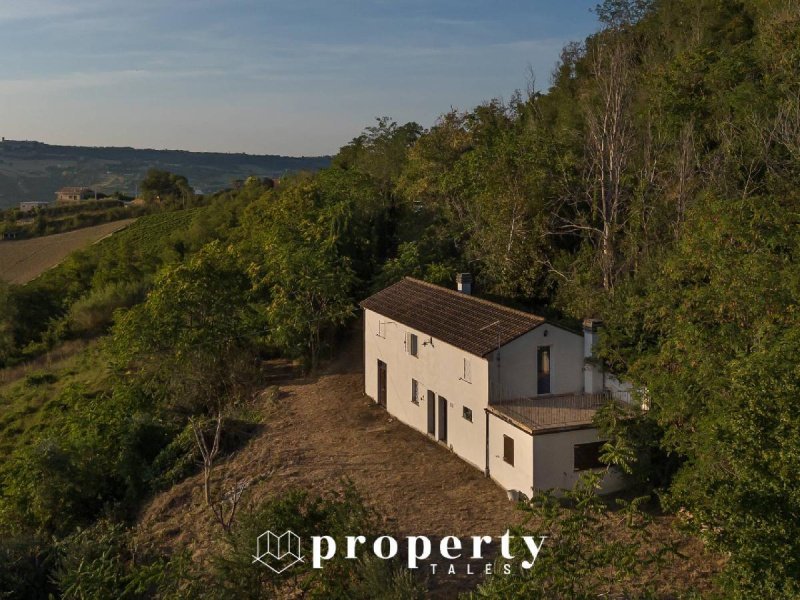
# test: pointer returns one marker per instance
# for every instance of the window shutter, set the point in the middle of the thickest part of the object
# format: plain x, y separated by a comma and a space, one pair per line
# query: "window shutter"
508, 450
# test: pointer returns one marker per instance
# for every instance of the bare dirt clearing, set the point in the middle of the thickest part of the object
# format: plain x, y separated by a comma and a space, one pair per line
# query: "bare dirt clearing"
323, 429
24, 260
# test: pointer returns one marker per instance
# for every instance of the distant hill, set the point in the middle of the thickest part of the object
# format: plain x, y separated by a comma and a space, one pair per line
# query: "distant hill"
34, 171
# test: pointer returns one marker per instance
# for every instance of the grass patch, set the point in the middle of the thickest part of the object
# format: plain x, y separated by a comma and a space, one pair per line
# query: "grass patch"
27, 401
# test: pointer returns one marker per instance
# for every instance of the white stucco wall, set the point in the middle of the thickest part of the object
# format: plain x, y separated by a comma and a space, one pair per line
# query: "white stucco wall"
438, 367
520, 476
514, 375
553, 460
542, 461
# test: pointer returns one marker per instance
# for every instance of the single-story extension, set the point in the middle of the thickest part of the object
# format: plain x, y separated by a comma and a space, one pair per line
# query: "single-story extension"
508, 391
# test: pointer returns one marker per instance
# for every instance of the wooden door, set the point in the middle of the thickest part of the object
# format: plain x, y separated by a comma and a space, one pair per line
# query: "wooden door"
382, 383
442, 419
431, 413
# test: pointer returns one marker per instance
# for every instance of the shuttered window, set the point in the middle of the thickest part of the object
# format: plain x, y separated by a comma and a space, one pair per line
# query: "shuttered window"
467, 376
411, 344
508, 450
587, 456
414, 391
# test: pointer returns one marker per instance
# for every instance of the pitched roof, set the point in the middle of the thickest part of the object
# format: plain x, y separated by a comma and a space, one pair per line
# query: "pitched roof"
475, 325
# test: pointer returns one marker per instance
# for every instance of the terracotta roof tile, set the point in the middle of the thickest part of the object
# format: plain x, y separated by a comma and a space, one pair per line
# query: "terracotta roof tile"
475, 325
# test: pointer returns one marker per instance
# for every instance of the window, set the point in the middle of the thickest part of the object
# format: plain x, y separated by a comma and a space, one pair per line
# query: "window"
467, 376
587, 456
382, 329
414, 391
411, 344
467, 414
508, 450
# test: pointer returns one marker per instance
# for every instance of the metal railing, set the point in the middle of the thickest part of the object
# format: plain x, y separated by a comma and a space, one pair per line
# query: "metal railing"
560, 409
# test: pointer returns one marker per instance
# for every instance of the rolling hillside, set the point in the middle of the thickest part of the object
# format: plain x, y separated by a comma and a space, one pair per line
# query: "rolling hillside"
34, 171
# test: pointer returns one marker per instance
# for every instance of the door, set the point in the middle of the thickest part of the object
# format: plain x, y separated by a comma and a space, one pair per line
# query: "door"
442, 419
543, 370
431, 413
382, 383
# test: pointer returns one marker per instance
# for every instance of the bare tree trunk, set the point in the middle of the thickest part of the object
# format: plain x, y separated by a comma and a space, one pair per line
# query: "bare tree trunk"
207, 453
609, 143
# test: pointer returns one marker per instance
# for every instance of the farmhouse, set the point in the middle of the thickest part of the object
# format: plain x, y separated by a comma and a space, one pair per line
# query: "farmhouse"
506, 390
74, 194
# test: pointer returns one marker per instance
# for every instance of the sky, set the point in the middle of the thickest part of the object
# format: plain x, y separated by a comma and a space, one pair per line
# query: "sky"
298, 77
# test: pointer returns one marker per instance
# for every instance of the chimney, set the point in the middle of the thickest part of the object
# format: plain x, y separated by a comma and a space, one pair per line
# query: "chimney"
464, 281
592, 370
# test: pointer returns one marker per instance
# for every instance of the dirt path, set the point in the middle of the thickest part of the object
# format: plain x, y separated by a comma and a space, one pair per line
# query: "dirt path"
24, 260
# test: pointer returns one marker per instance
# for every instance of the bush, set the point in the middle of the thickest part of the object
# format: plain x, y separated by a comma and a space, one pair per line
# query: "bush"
26, 565
92, 313
104, 561
333, 514
90, 457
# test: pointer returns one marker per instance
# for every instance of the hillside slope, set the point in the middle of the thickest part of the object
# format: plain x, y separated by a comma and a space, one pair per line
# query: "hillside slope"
324, 429
34, 171
24, 260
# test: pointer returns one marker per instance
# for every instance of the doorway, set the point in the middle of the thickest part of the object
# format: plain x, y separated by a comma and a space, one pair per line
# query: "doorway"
431, 413
382, 383
442, 419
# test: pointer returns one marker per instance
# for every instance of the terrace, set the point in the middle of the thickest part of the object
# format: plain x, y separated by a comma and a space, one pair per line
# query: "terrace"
557, 412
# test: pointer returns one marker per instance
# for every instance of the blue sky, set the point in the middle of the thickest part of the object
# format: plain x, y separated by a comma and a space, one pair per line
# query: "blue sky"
294, 77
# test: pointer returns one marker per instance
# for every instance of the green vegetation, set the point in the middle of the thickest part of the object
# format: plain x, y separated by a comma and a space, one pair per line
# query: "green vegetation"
67, 217
654, 185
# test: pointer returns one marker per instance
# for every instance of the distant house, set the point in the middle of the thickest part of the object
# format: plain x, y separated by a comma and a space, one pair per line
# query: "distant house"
509, 392
25, 207
74, 194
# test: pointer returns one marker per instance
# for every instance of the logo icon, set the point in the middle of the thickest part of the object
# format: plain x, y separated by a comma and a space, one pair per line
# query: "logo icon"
278, 552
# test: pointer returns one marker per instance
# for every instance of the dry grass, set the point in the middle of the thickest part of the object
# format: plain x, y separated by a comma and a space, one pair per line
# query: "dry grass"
24, 260
323, 429
45, 361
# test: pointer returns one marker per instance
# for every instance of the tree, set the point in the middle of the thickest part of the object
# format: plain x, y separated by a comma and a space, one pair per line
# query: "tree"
164, 187
622, 13
714, 339
609, 140
304, 271
192, 343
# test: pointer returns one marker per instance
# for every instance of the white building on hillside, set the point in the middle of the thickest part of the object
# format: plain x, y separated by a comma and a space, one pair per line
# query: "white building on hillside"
507, 391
